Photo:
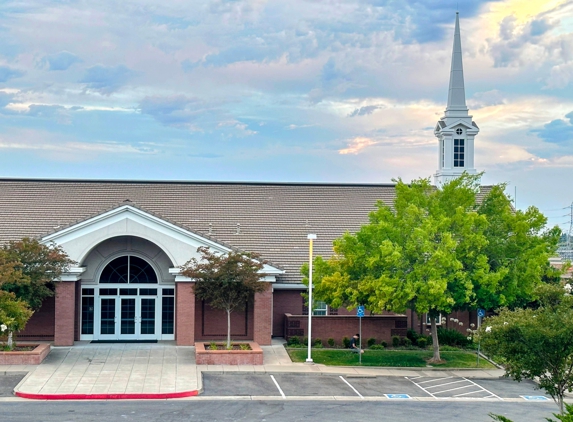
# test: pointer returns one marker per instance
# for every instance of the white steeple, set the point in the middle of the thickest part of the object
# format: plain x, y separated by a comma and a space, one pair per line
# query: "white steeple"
456, 129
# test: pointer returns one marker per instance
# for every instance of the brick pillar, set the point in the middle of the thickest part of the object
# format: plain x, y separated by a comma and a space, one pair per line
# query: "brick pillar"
65, 315
185, 314
263, 316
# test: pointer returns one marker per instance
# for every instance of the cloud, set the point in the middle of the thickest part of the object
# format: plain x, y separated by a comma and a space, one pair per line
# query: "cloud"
61, 61
364, 111
558, 131
5, 99
356, 145
107, 79
7, 73
56, 112
174, 110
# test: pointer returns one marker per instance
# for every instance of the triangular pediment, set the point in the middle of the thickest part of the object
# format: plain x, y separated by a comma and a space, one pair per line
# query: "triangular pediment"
127, 219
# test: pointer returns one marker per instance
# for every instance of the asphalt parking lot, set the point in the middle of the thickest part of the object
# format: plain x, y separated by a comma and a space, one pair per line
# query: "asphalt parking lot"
312, 385
8, 381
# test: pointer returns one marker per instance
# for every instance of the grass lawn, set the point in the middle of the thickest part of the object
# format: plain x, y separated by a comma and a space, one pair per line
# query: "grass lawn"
396, 358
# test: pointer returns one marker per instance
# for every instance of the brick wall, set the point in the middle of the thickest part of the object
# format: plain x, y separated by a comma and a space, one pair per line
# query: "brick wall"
380, 327
65, 313
263, 316
41, 325
184, 314
465, 317
285, 302
211, 324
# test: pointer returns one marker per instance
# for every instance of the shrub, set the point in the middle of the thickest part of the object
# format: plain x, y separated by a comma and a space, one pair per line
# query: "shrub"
422, 342
346, 342
406, 342
377, 347
371, 341
330, 342
293, 341
395, 341
383, 344
448, 337
413, 336
212, 346
317, 342
244, 346
305, 341
449, 349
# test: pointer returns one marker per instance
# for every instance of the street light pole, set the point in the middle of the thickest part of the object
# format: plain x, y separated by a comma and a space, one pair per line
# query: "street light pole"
310, 238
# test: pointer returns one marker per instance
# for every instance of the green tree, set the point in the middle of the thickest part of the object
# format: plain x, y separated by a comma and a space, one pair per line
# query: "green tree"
226, 281
433, 251
41, 265
14, 313
536, 343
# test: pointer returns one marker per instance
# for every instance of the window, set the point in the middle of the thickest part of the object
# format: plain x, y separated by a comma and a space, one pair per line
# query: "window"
128, 269
459, 153
443, 152
459, 131
429, 320
319, 308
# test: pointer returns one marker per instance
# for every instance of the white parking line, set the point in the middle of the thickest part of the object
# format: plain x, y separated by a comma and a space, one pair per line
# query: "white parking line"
479, 386
278, 386
433, 394
447, 383
360, 395
432, 380
452, 389
471, 392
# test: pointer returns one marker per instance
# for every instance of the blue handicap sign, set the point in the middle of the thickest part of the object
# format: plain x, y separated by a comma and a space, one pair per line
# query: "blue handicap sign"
535, 398
481, 313
397, 396
360, 311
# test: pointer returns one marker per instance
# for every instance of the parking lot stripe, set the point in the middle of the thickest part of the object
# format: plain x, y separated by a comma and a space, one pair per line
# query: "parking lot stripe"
432, 380
479, 386
421, 388
356, 391
471, 392
452, 389
278, 386
447, 383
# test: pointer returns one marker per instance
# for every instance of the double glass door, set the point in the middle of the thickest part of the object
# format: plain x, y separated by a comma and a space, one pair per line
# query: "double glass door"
128, 318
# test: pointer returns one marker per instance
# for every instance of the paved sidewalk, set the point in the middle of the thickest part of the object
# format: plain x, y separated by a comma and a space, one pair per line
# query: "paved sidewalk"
164, 370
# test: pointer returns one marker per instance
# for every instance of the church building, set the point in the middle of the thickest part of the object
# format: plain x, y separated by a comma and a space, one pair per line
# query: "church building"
129, 240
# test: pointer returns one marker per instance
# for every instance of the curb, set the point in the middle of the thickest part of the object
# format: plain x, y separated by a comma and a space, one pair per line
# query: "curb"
110, 396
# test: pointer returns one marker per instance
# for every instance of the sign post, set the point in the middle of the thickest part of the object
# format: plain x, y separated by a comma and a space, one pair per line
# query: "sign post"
360, 314
481, 314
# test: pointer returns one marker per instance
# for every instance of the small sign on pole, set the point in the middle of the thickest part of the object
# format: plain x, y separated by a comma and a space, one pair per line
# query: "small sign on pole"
360, 314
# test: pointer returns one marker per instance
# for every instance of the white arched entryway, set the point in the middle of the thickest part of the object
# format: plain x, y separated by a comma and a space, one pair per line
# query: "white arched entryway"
130, 301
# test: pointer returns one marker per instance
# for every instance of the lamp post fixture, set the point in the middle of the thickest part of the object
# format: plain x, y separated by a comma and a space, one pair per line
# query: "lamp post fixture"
310, 238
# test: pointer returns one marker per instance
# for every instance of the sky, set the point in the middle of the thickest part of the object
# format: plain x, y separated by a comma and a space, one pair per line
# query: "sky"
285, 91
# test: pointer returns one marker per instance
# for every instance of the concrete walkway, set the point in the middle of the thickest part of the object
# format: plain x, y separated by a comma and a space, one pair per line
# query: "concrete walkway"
164, 370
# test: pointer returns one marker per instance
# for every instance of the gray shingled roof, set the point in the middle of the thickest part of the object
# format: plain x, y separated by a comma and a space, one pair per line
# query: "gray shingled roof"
274, 218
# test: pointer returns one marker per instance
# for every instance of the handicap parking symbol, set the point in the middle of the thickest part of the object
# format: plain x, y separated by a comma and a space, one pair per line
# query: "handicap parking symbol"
535, 398
397, 396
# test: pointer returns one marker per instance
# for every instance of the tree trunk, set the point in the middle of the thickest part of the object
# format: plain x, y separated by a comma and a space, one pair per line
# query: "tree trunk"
228, 329
10, 341
560, 402
436, 346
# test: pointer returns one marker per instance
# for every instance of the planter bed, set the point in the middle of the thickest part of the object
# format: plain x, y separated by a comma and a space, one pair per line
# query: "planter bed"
204, 356
31, 357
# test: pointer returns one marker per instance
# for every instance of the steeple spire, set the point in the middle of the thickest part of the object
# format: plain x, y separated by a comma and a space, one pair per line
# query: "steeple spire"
457, 92
455, 130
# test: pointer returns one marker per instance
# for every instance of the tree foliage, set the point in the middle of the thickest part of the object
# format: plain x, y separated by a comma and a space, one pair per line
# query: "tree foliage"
536, 343
438, 250
28, 270
40, 265
226, 282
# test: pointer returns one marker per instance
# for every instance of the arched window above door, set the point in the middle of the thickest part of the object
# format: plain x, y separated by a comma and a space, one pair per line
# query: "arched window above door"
128, 270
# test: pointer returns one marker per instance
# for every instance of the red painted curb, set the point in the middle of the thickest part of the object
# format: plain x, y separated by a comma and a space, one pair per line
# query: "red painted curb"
126, 396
